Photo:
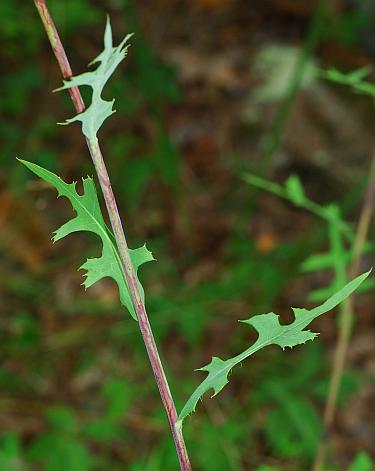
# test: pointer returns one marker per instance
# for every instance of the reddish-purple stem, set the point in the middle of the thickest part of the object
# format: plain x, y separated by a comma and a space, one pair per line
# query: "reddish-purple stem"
118, 231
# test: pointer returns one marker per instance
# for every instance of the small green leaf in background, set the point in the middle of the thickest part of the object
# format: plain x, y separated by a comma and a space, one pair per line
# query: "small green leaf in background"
89, 218
25, 331
118, 396
362, 462
60, 448
75, 15
68, 453
10, 453
295, 191
165, 158
288, 435
218, 444
270, 332
62, 419
353, 79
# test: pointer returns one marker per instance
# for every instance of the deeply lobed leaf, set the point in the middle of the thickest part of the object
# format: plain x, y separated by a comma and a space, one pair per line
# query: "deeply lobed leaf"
89, 218
99, 110
270, 332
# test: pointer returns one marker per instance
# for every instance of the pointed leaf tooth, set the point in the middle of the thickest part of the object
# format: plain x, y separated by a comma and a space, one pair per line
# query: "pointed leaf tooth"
108, 34
124, 41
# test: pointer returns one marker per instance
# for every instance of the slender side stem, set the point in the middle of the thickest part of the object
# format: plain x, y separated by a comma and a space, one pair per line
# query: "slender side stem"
346, 321
273, 138
139, 306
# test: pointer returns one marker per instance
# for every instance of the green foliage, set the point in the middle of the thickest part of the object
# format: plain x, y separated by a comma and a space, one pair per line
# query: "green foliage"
362, 462
270, 332
287, 433
338, 257
217, 447
294, 192
346, 27
74, 14
89, 218
281, 400
354, 79
17, 88
12, 28
99, 110
155, 81
26, 334
62, 437
117, 396
63, 444
215, 444
10, 453
337, 254
287, 398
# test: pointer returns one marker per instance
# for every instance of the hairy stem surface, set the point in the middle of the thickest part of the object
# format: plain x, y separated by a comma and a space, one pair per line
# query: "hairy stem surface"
105, 184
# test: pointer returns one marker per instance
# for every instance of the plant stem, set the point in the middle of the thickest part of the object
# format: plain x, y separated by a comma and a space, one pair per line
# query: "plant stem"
346, 321
105, 184
273, 138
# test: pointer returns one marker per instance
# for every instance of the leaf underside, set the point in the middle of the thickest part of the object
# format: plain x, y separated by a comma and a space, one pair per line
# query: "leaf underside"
89, 218
270, 332
99, 110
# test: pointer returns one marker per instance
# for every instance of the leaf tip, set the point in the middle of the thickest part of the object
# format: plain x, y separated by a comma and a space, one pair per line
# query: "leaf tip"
108, 34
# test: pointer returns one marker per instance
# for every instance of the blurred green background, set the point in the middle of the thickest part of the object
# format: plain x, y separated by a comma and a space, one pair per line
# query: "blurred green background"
210, 90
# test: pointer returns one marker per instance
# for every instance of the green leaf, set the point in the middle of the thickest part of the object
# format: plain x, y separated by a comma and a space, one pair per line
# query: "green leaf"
89, 218
103, 430
353, 79
62, 419
321, 261
270, 332
295, 191
285, 431
118, 396
362, 462
99, 110
10, 453
55, 451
